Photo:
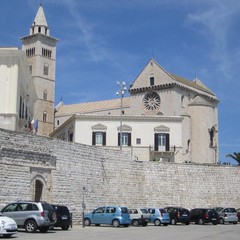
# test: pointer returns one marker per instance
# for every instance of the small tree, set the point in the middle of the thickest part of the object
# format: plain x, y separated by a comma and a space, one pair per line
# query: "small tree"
235, 156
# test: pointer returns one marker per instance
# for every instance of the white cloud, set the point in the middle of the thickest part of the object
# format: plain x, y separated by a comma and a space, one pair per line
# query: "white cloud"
216, 23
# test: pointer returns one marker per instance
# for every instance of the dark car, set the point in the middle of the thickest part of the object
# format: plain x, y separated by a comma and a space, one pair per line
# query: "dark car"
178, 215
203, 215
238, 214
64, 218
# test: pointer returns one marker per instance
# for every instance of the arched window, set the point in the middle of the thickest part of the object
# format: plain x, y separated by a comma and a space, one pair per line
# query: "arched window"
38, 191
45, 93
44, 116
45, 69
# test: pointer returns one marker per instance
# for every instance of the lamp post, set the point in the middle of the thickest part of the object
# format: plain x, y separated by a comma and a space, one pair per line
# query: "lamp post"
84, 191
121, 92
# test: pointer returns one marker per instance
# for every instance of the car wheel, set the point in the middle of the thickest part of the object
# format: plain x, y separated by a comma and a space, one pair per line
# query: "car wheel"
65, 228
200, 221
115, 223
30, 226
187, 223
234, 222
173, 221
221, 221
87, 222
157, 222
135, 222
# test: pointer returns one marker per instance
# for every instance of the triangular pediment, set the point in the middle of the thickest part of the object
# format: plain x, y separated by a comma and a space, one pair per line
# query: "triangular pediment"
161, 128
125, 128
152, 70
98, 127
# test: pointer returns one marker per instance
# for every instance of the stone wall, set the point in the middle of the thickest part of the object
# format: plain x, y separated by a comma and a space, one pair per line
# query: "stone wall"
111, 177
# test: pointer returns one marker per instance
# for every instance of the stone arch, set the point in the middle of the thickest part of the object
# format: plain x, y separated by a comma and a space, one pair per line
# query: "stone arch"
38, 185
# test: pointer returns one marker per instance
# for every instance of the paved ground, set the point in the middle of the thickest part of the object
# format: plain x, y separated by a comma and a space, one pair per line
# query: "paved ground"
178, 232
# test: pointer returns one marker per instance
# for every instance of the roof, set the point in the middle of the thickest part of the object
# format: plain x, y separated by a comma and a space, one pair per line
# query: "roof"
197, 84
40, 19
91, 107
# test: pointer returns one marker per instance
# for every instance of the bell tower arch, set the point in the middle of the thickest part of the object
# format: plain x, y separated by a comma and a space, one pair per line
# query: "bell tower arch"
40, 49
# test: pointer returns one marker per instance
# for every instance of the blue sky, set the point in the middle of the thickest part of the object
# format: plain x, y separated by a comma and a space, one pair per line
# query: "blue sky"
105, 41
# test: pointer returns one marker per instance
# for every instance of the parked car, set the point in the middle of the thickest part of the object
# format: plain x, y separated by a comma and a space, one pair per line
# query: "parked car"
159, 216
178, 215
238, 214
139, 216
31, 215
203, 215
8, 226
227, 214
112, 215
64, 218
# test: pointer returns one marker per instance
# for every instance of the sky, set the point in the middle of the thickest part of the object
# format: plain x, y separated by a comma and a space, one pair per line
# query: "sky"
105, 41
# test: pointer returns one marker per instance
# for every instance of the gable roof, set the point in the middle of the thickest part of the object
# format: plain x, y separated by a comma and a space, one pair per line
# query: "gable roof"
91, 107
164, 79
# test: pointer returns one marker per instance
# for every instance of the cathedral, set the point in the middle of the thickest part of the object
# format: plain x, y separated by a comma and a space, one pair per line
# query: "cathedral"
166, 118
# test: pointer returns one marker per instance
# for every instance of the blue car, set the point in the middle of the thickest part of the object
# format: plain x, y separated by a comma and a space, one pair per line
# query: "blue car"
111, 215
159, 216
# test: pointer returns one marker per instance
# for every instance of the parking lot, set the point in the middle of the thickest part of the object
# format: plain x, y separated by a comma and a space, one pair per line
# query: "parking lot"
191, 232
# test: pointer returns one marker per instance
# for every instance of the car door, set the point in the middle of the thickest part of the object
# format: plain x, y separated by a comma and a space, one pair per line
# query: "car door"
109, 215
10, 210
98, 216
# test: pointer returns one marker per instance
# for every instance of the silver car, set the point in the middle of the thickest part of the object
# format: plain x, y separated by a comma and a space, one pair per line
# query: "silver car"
31, 215
227, 214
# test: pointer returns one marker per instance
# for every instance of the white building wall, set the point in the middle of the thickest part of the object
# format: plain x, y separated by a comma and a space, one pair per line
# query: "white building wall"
15, 81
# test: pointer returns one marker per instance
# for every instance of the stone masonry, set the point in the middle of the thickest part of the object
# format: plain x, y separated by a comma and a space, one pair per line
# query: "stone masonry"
110, 176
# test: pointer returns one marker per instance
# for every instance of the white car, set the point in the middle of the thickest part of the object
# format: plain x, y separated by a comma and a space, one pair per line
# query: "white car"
8, 226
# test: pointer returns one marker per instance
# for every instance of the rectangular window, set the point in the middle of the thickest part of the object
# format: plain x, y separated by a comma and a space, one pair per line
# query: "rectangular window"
126, 139
99, 138
151, 81
161, 142
138, 141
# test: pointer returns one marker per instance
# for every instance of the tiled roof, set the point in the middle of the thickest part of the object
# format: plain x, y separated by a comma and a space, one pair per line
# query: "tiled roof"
91, 107
192, 84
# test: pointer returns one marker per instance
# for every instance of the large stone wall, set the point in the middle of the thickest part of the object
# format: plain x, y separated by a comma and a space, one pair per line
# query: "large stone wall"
111, 177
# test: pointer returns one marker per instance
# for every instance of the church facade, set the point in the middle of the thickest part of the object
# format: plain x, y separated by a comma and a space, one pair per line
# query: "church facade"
166, 118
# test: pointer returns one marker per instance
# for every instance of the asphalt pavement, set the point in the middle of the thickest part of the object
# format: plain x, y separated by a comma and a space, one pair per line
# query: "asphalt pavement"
150, 232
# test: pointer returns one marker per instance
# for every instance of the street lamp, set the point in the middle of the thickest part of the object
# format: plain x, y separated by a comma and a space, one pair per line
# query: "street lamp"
121, 92
84, 191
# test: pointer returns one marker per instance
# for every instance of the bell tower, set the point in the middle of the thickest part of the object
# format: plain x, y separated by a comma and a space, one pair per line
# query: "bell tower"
40, 49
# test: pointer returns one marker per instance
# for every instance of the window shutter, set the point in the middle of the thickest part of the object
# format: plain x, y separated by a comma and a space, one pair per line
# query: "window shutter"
155, 142
167, 142
93, 138
104, 139
129, 139
118, 139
